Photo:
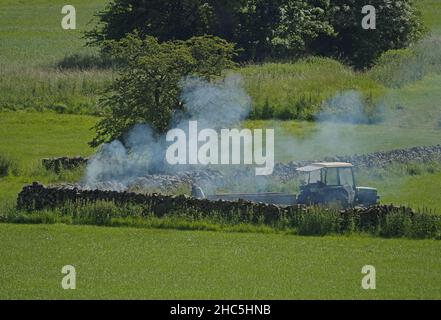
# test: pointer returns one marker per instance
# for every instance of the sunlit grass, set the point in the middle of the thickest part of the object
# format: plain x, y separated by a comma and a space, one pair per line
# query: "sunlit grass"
157, 264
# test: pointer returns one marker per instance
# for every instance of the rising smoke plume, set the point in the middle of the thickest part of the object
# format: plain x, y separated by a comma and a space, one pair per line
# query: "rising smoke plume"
214, 105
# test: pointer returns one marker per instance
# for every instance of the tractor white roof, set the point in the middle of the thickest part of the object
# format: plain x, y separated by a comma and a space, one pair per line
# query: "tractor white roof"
322, 165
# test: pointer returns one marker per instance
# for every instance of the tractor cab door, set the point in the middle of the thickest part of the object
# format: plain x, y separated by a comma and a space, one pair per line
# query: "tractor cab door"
342, 179
347, 181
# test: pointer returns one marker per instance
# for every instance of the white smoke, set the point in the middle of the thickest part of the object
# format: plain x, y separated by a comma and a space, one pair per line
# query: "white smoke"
219, 105
116, 165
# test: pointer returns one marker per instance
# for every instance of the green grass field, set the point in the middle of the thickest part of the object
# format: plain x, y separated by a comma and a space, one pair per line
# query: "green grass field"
152, 264
26, 138
431, 10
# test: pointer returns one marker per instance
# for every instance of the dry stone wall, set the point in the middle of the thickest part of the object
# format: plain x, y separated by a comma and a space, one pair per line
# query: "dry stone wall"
371, 160
38, 197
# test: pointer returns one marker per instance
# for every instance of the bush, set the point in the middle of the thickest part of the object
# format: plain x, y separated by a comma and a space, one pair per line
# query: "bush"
263, 29
267, 29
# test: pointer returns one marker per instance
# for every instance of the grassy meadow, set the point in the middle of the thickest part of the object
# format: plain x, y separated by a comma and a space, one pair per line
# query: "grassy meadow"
119, 263
29, 137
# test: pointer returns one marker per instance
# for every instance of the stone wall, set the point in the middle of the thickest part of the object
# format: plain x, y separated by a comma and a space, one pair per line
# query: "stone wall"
38, 196
370, 160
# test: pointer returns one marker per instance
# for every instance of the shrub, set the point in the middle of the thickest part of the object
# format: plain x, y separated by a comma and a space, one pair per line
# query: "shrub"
267, 29
263, 29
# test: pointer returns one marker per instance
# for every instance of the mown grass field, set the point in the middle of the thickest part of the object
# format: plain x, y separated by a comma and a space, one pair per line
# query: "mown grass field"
32, 42
153, 264
26, 138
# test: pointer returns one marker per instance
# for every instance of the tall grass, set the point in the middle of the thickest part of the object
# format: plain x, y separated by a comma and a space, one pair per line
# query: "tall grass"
279, 90
298, 90
397, 68
312, 222
37, 89
7, 165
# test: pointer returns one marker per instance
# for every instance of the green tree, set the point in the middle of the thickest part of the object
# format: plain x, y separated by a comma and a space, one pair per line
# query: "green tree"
269, 28
165, 20
147, 89
262, 28
398, 25
300, 23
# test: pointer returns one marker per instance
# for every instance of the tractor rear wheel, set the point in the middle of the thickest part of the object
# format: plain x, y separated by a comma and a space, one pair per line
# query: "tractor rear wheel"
337, 200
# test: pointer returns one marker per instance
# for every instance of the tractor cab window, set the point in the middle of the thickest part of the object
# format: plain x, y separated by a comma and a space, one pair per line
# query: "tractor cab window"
332, 177
346, 177
315, 176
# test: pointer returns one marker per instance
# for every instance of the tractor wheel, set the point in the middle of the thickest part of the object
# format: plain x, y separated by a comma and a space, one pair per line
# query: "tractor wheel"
337, 200
305, 200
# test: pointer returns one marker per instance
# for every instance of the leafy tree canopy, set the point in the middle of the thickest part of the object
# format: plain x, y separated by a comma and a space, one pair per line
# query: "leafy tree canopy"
262, 28
398, 25
269, 28
147, 89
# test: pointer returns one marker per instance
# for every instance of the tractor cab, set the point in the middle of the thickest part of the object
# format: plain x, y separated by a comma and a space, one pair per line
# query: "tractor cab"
329, 183
333, 184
